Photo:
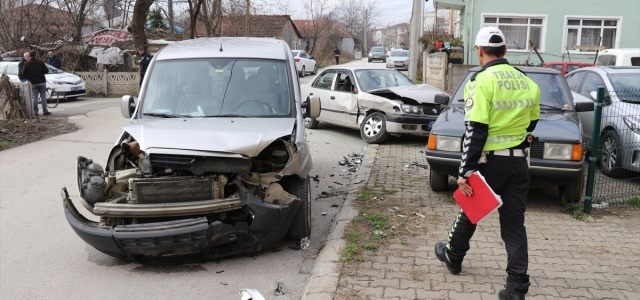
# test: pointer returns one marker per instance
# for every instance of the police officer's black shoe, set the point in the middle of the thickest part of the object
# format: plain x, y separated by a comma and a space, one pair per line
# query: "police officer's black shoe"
506, 295
441, 253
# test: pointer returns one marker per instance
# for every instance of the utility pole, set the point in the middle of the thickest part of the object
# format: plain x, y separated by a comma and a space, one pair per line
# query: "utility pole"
414, 35
247, 21
366, 31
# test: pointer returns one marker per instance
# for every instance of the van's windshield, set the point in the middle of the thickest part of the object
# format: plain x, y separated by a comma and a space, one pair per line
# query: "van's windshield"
553, 90
218, 88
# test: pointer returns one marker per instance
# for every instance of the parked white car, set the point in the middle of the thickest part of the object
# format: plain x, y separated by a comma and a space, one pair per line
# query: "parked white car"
305, 63
377, 101
67, 85
620, 123
398, 59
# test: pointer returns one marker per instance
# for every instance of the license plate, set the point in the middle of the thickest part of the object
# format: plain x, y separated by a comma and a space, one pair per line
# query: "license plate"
75, 89
429, 125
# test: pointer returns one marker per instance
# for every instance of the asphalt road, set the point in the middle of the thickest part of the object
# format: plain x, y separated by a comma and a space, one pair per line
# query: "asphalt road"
42, 258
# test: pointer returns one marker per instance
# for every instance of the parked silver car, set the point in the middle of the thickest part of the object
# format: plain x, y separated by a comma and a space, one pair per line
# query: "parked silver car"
213, 162
620, 122
377, 101
398, 59
377, 53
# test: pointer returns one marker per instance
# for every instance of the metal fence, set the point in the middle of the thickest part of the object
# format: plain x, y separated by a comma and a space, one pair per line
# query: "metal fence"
614, 160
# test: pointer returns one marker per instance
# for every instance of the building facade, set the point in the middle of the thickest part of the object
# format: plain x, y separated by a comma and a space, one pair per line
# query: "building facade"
559, 30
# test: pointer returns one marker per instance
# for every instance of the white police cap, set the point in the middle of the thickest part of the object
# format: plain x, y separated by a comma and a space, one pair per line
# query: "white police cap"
482, 39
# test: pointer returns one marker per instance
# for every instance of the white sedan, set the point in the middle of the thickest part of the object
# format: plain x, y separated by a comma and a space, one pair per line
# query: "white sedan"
305, 63
66, 85
377, 101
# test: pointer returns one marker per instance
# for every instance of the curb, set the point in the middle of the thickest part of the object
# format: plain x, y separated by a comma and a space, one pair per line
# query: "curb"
324, 279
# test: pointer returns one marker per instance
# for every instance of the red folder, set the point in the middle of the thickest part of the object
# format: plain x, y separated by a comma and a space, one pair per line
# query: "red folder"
482, 202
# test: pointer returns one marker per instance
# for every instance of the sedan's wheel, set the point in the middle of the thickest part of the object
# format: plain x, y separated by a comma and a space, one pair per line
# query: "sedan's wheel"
610, 157
315, 69
572, 192
301, 226
311, 123
303, 73
374, 128
369, 59
438, 182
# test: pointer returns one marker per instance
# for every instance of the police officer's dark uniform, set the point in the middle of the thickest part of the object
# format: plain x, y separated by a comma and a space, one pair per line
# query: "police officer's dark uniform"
502, 107
145, 59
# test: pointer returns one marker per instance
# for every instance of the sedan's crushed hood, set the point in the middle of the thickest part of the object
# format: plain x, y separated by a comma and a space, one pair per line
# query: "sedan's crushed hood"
245, 136
421, 93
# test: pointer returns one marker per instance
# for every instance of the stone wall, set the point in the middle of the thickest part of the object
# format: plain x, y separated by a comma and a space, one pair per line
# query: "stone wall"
111, 83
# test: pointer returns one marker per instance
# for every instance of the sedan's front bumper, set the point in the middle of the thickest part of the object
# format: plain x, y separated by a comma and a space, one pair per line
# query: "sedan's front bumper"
69, 91
186, 240
407, 124
556, 172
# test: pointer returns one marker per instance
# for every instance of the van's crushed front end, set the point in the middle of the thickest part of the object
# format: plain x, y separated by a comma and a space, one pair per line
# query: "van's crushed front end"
156, 203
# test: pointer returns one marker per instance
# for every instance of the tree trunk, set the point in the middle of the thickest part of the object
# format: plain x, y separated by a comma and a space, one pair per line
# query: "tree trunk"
194, 11
170, 16
140, 12
81, 13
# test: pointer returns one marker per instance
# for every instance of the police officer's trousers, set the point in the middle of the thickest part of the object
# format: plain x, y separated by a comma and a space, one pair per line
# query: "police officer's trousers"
508, 176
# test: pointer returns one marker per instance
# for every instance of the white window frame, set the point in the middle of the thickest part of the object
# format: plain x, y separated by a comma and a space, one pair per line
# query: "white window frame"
543, 37
618, 20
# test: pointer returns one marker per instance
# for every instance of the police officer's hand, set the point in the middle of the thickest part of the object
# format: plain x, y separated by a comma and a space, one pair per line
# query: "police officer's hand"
465, 187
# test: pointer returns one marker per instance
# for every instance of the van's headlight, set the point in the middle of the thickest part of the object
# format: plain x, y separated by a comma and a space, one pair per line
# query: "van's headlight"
410, 109
563, 151
633, 123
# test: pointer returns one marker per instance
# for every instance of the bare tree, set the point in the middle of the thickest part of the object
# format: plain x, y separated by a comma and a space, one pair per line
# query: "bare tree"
140, 12
211, 16
194, 11
322, 18
358, 16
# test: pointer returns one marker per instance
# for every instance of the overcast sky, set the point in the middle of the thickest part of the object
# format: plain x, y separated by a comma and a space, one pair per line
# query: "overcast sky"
391, 12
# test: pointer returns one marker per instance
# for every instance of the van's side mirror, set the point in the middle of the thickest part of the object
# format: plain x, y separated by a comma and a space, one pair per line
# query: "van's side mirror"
441, 99
127, 106
311, 107
584, 106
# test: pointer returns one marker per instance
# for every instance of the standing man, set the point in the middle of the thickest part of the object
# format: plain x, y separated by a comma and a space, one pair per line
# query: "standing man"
496, 143
53, 60
24, 59
34, 70
144, 61
336, 53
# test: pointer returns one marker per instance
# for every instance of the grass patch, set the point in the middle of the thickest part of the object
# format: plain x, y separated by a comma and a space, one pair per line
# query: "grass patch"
574, 210
367, 194
350, 250
377, 221
352, 236
370, 247
5, 144
635, 202
377, 236
450, 200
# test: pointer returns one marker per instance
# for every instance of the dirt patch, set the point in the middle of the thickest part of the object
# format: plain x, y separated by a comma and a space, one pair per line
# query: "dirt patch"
14, 133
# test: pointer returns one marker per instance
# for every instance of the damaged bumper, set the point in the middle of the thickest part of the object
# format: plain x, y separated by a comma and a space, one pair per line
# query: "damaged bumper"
190, 239
403, 124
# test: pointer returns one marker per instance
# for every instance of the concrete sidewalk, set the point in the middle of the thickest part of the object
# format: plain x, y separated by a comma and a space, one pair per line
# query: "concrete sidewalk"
568, 259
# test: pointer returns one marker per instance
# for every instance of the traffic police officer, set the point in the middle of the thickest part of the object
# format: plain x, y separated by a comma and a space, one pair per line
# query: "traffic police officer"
502, 108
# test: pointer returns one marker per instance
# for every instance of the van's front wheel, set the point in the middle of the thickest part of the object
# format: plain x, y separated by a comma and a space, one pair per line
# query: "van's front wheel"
301, 227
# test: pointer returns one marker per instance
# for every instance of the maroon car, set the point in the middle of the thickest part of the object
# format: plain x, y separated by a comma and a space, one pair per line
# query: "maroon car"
565, 66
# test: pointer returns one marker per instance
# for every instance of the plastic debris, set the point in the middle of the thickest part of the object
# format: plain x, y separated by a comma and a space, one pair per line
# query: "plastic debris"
402, 216
218, 272
324, 213
304, 243
316, 178
223, 283
358, 181
279, 289
380, 232
337, 183
419, 215
334, 205
331, 175
250, 294
396, 208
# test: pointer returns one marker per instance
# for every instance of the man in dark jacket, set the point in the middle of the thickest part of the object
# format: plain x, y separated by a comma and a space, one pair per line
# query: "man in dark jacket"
144, 61
53, 60
35, 69
25, 57
336, 53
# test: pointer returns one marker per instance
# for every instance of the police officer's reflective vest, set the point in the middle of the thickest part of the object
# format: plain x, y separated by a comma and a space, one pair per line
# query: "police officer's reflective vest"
505, 99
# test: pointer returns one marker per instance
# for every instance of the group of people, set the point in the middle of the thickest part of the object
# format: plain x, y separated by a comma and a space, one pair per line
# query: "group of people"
34, 70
